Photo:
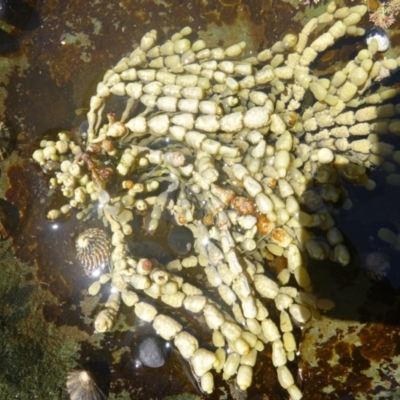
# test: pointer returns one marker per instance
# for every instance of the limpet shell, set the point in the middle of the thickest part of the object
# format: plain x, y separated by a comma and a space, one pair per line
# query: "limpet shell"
80, 385
93, 250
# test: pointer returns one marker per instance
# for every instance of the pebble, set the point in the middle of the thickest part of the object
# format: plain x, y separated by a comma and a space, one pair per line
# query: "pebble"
380, 36
377, 265
180, 240
151, 351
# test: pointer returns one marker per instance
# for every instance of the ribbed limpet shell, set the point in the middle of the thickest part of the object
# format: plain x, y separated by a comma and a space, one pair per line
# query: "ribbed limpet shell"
93, 250
81, 385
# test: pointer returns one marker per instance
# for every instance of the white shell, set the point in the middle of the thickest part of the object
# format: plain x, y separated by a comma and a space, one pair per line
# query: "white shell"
80, 385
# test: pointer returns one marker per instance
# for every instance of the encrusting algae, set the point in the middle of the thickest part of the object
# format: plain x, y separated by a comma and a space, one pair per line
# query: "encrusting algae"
226, 147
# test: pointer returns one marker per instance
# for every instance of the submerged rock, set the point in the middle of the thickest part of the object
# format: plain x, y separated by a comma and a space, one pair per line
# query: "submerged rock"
151, 351
15, 12
180, 240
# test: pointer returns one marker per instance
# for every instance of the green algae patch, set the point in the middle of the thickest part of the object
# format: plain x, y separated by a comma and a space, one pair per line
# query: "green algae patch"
36, 354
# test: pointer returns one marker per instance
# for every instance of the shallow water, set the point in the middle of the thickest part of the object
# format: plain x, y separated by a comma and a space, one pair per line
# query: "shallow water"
49, 69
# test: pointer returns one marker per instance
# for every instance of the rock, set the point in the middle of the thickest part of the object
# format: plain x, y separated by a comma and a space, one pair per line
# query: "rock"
151, 351
180, 240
